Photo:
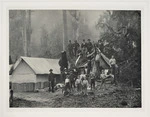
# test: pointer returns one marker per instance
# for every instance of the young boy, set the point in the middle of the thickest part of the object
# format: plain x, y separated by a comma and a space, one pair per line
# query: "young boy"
103, 77
78, 84
92, 81
67, 84
84, 86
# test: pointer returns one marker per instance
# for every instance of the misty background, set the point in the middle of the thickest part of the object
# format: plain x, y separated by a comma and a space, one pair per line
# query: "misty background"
47, 31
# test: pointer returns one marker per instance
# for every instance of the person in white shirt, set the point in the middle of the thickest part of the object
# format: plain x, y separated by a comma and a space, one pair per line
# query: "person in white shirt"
110, 76
78, 84
112, 62
84, 86
103, 77
86, 70
67, 84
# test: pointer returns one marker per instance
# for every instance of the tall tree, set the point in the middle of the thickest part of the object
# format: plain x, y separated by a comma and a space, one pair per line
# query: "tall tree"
29, 31
24, 33
65, 30
75, 22
15, 33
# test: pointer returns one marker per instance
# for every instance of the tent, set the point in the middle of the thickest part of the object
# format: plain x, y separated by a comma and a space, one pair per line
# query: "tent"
31, 73
104, 61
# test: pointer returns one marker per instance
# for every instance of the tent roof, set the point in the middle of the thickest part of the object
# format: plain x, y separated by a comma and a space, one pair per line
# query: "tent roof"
40, 65
103, 59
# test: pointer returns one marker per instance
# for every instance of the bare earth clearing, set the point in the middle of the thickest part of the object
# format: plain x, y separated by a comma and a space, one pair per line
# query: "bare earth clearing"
111, 97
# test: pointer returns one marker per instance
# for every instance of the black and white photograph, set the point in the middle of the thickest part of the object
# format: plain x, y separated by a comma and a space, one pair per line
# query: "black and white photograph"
75, 58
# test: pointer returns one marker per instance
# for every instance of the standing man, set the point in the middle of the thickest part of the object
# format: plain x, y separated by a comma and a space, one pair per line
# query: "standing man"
89, 66
83, 44
51, 79
97, 63
112, 62
63, 62
89, 46
84, 48
70, 48
76, 47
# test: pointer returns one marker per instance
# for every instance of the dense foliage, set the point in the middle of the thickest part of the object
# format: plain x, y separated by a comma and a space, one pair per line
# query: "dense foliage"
120, 33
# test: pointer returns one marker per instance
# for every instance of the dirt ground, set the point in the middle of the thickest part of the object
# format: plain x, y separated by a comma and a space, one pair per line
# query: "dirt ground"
111, 97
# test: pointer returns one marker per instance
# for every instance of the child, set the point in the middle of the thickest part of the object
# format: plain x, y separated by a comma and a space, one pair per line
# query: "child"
110, 76
78, 84
103, 77
92, 81
84, 86
72, 78
67, 84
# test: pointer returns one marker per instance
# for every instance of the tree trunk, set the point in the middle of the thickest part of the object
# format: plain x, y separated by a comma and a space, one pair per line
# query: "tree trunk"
77, 32
65, 35
28, 32
24, 34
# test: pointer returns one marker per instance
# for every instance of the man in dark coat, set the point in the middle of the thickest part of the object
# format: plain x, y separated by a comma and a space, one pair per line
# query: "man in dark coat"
63, 62
89, 46
72, 78
89, 66
70, 48
83, 44
76, 47
51, 79
84, 48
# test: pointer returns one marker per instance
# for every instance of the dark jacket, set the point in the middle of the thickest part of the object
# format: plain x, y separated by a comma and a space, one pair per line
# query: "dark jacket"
70, 46
51, 77
76, 46
89, 46
63, 62
83, 45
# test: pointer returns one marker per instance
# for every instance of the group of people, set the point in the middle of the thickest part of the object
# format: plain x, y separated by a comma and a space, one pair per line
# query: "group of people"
77, 79
75, 48
80, 81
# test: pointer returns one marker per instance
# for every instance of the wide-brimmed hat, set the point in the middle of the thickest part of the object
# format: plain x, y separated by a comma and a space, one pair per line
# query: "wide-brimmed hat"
51, 70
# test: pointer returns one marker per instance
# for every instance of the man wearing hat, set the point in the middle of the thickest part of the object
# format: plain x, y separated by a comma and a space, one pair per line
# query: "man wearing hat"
89, 66
76, 47
70, 48
51, 79
89, 46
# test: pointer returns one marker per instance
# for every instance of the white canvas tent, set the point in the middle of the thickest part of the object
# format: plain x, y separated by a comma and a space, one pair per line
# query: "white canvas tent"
34, 72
